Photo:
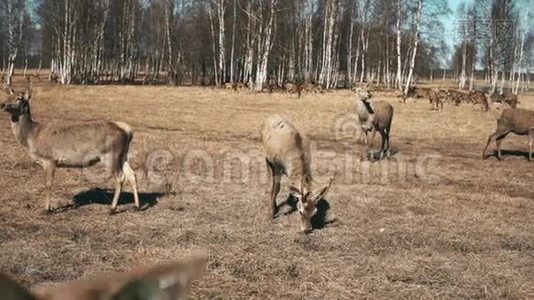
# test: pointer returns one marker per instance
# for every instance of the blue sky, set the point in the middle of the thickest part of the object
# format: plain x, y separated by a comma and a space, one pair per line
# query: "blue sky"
450, 22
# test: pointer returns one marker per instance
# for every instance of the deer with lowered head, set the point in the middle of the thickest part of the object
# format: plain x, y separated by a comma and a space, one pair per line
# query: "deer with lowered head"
287, 152
72, 146
517, 120
168, 281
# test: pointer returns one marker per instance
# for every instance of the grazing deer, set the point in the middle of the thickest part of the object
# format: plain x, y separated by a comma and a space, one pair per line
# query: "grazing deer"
72, 146
516, 120
457, 97
287, 152
160, 282
294, 88
479, 97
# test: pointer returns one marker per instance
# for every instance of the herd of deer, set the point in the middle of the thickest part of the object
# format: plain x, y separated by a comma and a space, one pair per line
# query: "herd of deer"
287, 150
291, 88
438, 96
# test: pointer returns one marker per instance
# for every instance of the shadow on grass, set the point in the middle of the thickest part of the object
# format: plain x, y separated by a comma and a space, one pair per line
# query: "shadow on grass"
374, 155
104, 197
512, 153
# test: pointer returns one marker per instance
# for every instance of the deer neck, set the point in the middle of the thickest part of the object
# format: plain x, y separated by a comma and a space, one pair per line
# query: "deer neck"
301, 172
24, 128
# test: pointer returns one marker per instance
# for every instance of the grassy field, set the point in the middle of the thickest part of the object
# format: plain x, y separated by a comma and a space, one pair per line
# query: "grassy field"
433, 221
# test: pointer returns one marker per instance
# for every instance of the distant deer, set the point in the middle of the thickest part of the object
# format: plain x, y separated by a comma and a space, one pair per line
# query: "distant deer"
165, 281
516, 120
287, 152
375, 116
72, 146
436, 96
479, 97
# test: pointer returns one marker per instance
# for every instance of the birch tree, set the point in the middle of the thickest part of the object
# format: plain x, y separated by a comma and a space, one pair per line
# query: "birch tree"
415, 44
12, 13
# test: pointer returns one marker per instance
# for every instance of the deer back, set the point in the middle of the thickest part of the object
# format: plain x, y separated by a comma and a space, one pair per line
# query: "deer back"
164, 281
285, 144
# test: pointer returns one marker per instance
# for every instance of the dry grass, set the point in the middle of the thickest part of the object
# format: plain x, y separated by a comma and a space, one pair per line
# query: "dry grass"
450, 226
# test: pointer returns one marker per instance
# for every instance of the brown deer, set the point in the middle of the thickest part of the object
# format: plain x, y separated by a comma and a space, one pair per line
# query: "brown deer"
479, 97
374, 116
510, 99
165, 281
72, 146
294, 88
287, 152
457, 97
516, 120
436, 96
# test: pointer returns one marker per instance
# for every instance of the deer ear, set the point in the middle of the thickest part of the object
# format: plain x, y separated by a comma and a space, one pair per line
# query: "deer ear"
11, 290
324, 190
168, 281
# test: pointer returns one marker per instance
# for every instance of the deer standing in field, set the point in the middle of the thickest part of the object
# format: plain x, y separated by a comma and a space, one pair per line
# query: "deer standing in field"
436, 96
160, 282
516, 120
375, 116
72, 146
287, 152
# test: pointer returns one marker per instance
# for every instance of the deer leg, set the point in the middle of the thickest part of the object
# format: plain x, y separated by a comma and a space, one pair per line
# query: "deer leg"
275, 188
50, 169
498, 141
383, 134
119, 180
112, 162
388, 152
129, 174
372, 136
491, 137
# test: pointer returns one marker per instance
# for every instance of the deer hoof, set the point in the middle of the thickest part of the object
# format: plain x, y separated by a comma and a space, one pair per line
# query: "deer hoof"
112, 211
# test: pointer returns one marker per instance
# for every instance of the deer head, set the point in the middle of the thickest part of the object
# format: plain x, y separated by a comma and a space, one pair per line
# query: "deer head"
363, 93
166, 281
307, 202
17, 105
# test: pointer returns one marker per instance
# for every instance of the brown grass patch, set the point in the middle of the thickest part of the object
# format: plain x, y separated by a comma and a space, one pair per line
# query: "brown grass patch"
462, 227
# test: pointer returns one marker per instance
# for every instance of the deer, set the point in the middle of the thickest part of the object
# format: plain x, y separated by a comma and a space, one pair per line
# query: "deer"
517, 120
479, 97
287, 152
78, 145
510, 99
436, 96
157, 282
375, 116
294, 88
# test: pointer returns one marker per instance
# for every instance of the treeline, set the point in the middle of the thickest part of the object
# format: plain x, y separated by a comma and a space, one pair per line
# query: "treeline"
334, 43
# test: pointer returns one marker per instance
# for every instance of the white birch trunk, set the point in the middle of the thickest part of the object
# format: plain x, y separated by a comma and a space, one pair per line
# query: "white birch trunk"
416, 43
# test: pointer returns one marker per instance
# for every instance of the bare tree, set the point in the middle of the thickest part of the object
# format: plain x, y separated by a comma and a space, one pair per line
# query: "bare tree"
415, 44
12, 13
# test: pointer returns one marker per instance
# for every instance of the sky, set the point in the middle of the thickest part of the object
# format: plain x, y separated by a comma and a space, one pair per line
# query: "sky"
450, 23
